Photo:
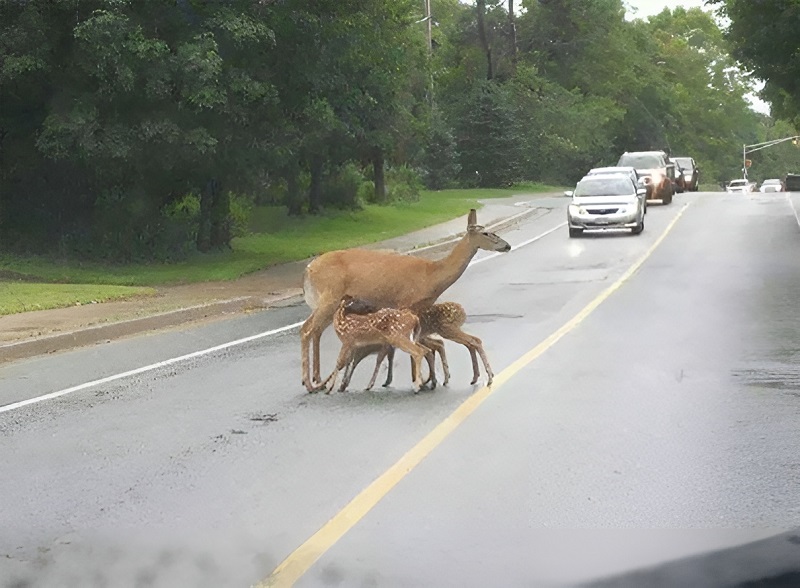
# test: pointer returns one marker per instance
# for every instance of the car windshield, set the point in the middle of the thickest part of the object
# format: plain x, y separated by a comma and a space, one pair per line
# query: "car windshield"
609, 170
640, 160
604, 186
771, 182
684, 162
738, 183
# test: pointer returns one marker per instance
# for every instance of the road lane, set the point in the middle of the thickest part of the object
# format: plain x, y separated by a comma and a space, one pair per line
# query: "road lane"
228, 450
34, 377
673, 406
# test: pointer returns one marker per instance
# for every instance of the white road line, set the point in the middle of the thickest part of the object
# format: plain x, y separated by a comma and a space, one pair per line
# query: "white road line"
160, 364
794, 210
146, 368
520, 246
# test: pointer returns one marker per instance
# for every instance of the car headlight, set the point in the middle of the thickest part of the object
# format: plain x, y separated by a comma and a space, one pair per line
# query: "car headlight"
576, 210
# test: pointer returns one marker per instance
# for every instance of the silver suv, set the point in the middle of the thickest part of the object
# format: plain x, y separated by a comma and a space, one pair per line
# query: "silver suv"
606, 201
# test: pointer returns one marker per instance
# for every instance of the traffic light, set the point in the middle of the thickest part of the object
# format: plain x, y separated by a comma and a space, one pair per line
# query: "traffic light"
748, 162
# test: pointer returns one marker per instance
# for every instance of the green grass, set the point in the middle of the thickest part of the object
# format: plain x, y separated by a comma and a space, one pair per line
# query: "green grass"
275, 238
25, 296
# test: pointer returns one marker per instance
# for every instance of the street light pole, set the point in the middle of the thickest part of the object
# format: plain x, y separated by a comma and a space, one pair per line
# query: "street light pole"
744, 161
759, 146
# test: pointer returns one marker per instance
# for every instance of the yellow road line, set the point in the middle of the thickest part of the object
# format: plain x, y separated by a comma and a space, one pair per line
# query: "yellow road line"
302, 558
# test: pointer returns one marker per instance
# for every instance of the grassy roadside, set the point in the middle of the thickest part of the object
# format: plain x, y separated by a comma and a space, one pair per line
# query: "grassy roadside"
275, 238
25, 296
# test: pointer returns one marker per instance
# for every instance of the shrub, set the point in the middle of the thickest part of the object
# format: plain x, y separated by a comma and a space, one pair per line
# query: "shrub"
403, 184
241, 211
342, 187
440, 163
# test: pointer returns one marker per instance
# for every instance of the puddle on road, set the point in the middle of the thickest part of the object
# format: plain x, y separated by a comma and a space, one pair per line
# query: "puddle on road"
784, 377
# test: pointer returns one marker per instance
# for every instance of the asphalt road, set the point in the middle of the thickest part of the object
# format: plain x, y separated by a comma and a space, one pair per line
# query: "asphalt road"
661, 424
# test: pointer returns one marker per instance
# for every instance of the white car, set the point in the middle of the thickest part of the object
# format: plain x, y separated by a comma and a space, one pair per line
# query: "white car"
606, 201
740, 186
774, 185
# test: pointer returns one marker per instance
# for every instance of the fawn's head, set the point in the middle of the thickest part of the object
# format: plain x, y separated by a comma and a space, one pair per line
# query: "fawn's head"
351, 305
483, 239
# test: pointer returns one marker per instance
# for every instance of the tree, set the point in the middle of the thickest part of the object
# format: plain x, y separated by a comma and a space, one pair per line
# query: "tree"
137, 105
764, 38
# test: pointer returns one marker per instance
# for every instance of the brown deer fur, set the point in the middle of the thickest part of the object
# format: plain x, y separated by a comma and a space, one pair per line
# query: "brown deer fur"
387, 280
386, 326
444, 319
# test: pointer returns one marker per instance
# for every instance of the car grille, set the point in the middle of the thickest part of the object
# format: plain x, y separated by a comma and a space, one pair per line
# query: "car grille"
602, 210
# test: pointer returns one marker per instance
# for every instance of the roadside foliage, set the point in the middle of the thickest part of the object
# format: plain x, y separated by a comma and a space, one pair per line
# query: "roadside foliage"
143, 130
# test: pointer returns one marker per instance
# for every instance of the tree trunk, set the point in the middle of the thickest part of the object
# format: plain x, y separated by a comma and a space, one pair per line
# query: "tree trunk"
220, 218
512, 31
380, 180
315, 190
215, 208
487, 47
294, 200
204, 229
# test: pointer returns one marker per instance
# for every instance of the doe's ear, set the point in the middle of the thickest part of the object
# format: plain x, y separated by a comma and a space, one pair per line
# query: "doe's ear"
472, 219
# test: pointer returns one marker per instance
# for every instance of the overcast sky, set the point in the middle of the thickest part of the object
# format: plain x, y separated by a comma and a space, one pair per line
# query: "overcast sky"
645, 8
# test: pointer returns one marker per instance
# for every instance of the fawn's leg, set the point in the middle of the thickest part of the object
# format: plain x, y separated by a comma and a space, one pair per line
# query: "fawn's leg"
341, 361
391, 368
378, 361
348, 373
474, 344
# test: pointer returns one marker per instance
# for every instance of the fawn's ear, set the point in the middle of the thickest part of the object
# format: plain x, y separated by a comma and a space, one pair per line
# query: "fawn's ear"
472, 218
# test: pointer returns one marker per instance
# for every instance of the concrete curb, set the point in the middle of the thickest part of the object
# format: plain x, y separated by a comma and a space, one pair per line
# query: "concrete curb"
165, 320
98, 333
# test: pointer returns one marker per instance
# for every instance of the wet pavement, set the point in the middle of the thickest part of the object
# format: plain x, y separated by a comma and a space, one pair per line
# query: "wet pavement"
664, 424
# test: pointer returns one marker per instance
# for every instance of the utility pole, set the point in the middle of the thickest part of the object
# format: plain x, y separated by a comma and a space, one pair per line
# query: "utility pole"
512, 29
428, 26
429, 35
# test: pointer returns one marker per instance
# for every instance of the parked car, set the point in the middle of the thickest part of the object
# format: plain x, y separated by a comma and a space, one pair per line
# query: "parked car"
658, 171
740, 186
630, 171
773, 185
690, 172
606, 201
792, 183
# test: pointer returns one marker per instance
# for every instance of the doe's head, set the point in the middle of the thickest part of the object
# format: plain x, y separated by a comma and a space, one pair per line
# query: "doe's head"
483, 239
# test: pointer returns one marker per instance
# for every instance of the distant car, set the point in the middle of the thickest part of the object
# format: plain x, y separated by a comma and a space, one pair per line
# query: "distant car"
690, 171
792, 183
606, 201
740, 186
658, 171
774, 185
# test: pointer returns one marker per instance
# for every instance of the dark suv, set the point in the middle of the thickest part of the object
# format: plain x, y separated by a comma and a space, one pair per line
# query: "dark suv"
656, 169
691, 173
